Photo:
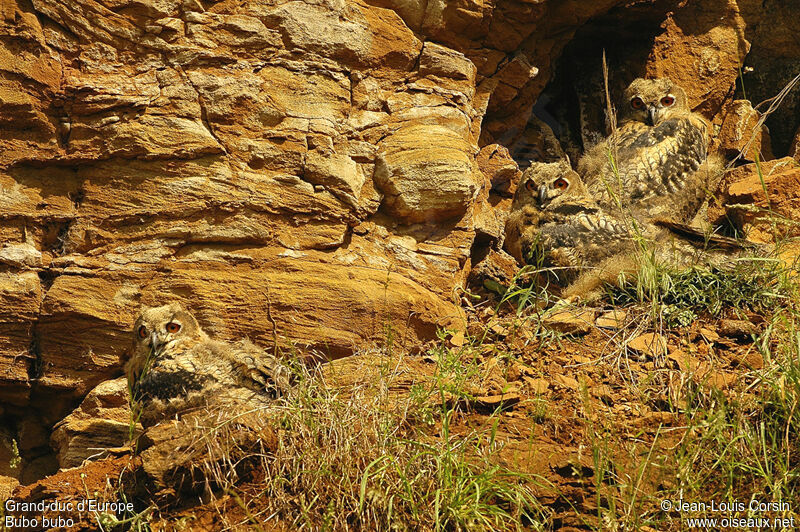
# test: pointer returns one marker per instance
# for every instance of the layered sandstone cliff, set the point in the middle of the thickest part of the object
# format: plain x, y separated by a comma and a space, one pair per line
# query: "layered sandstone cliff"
321, 174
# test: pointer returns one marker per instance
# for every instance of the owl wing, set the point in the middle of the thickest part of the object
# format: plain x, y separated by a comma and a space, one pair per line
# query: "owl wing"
259, 371
698, 237
653, 167
578, 235
517, 223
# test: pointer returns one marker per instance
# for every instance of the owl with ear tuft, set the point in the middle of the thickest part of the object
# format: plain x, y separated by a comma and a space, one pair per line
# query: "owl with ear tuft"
655, 164
176, 367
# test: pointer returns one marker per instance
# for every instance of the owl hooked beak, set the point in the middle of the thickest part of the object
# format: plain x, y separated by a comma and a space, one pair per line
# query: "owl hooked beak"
652, 112
542, 195
155, 342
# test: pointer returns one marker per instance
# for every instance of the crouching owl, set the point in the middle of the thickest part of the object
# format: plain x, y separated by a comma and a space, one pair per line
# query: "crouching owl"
557, 226
175, 367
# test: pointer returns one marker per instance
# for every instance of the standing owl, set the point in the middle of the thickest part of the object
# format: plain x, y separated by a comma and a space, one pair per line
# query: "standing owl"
655, 164
176, 367
557, 225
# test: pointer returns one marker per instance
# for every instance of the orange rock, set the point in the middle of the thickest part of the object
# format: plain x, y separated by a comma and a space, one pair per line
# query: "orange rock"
20, 299
102, 420
498, 328
685, 362
566, 382
7, 485
537, 386
737, 328
740, 133
751, 360
715, 379
496, 163
613, 319
701, 49
649, 344
709, 335
457, 339
753, 205
602, 392
426, 173
492, 402
570, 321
495, 272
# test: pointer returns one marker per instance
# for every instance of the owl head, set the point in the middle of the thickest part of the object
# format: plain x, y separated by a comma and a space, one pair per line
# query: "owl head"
652, 101
548, 185
158, 329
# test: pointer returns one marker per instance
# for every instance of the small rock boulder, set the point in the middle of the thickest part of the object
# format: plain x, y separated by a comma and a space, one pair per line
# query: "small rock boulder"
103, 420
571, 321
740, 133
426, 173
613, 319
649, 345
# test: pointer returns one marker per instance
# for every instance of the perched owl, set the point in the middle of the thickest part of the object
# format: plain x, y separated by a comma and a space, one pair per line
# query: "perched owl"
558, 226
655, 163
176, 367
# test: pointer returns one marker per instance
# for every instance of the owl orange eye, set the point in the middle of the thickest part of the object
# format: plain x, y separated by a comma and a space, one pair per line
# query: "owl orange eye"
561, 183
666, 101
637, 103
173, 327
530, 185
142, 332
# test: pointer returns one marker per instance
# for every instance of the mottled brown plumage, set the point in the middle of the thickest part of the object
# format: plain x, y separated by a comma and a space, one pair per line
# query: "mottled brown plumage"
175, 367
655, 164
555, 224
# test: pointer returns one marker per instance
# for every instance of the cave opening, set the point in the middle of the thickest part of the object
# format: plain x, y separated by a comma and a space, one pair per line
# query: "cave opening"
568, 116
573, 104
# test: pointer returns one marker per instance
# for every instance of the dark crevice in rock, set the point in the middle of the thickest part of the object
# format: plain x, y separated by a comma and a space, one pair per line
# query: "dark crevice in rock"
766, 77
571, 94
772, 29
35, 356
78, 196
573, 103
25, 453
61, 239
47, 277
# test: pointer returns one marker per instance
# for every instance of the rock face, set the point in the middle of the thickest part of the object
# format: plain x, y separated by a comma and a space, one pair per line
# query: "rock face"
761, 200
102, 420
303, 173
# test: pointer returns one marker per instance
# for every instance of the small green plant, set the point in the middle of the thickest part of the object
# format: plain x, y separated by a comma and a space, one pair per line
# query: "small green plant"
16, 459
751, 284
539, 411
